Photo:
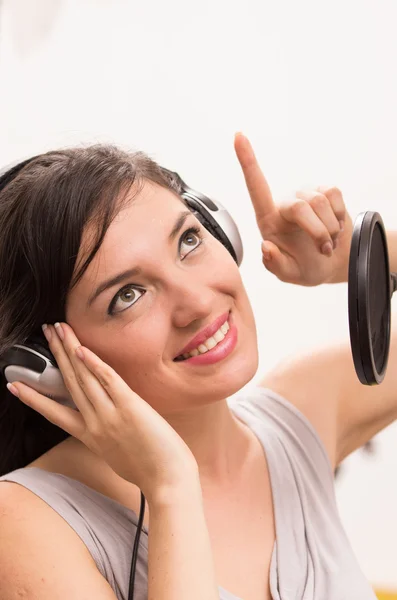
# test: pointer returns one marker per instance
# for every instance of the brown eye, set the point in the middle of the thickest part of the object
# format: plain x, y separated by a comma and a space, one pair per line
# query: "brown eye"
192, 239
125, 298
127, 295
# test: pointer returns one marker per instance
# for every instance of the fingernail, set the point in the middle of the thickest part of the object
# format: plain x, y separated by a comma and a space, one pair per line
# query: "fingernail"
59, 330
47, 332
13, 389
341, 225
327, 248
266, 251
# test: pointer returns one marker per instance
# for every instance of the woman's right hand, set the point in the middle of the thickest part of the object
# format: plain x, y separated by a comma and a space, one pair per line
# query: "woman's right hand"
113, 421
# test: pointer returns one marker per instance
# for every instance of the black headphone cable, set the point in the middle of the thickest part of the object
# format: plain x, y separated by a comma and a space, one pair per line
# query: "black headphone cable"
136, 546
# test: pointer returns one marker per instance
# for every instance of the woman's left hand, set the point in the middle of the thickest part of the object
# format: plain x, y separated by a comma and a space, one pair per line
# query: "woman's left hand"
303, 241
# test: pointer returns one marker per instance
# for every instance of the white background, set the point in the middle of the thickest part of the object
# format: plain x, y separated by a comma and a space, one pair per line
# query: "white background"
312, 83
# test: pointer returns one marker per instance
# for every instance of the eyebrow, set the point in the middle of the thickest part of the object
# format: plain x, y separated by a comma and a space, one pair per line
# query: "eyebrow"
105, 285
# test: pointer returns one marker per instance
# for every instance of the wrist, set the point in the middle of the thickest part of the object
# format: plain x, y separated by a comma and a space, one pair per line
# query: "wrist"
340, 273
181, 491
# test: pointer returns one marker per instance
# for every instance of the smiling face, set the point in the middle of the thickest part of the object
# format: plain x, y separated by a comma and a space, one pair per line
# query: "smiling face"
176, 287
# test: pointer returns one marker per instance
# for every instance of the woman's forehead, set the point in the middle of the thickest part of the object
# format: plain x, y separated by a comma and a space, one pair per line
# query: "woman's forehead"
145, 220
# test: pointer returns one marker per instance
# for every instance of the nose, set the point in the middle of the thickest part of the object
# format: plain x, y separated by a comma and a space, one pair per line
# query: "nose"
192, 299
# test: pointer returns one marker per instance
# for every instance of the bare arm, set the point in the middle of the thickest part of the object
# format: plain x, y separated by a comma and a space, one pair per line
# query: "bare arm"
180, 557
42, 558
392, 247
324, 386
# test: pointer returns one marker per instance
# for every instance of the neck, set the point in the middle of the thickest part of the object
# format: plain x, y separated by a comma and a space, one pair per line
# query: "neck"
219, 442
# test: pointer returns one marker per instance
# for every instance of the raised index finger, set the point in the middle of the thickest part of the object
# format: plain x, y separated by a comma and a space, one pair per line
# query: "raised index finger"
257, 185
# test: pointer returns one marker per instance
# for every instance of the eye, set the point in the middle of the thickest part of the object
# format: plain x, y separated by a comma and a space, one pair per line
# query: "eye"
125, 298
130, 294
192, 239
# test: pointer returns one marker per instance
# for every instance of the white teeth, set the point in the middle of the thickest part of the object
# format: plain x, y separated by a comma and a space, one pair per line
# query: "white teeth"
202, 349
210, 343
219, 336
225, 328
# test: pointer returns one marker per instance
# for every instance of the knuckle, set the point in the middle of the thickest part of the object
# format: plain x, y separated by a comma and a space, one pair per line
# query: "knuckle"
55, 349
299, 207
95, 430
69, 380
112, 428
324, 240
323, 236
105, 376
336, 197
319, 202
334, 191
80, 381
105, 433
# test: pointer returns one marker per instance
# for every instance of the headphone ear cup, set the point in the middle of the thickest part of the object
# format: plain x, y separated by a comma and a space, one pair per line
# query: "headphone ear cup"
213, 229
33, 364
219, 223
39, 344
212, 215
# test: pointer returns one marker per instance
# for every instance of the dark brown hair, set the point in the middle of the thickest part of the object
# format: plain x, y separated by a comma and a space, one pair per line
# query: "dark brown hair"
43, 212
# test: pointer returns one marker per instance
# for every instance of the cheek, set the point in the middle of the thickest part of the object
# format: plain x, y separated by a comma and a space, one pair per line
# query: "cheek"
139, 362
132, 354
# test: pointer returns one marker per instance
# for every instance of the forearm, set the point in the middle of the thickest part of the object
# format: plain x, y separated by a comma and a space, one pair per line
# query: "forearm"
180, 556
392, 247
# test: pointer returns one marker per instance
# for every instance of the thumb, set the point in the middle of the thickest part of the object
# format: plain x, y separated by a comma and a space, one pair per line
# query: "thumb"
278, 263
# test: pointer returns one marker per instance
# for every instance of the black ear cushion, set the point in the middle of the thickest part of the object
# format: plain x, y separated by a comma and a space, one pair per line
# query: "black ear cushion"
211, 225
40, 345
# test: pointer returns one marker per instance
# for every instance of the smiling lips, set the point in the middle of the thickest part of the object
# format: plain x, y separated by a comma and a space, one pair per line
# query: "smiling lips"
212, 344
209, 343
204, 334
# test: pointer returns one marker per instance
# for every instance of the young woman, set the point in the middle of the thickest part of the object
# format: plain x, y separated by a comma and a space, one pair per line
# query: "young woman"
153, 334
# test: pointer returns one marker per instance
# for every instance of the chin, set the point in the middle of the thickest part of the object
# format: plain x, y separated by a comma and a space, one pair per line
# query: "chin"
225, 383
240, 377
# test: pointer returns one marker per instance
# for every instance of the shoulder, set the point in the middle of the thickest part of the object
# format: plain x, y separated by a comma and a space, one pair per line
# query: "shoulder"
32, 559
18, 504
270, 413
307, 383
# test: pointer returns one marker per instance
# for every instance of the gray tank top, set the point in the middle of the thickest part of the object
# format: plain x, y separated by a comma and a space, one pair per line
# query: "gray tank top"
312, 557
